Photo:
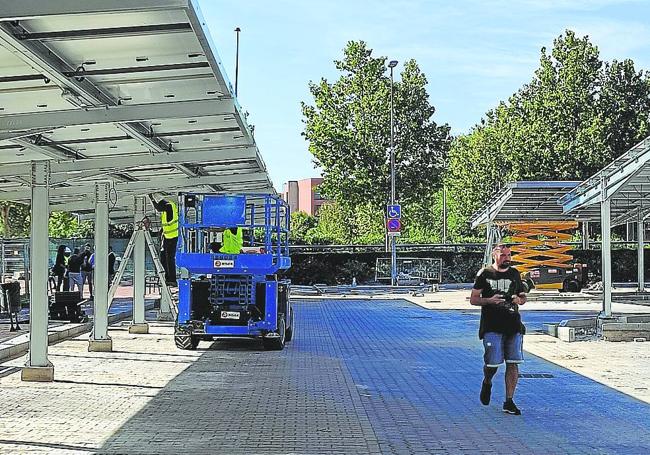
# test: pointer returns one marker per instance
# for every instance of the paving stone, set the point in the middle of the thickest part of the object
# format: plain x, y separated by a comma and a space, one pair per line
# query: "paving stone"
361, 377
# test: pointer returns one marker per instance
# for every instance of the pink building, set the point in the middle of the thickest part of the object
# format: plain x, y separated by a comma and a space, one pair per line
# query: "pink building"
303, 195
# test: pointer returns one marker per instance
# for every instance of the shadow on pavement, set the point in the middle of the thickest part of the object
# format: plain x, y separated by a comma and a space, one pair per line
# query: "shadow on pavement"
364, 376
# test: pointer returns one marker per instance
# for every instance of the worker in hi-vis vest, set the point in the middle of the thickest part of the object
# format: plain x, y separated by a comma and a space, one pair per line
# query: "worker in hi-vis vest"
169, 218
232, 241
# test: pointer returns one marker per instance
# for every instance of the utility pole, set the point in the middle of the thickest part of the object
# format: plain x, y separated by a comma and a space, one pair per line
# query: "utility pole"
393, 241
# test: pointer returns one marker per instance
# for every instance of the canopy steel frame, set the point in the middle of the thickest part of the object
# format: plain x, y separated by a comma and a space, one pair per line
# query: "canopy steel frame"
45, 67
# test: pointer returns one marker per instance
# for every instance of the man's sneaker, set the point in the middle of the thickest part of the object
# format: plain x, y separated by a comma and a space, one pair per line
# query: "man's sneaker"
486, 391
510, 407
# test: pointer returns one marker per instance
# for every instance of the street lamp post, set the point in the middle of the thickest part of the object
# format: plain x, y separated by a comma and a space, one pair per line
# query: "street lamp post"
393, 244
237, 30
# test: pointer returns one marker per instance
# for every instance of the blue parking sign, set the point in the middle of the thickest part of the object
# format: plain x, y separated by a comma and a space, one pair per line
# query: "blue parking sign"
394, 211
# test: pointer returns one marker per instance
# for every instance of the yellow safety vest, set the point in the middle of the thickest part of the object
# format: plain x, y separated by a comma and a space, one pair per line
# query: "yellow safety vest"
170, 227
232, 243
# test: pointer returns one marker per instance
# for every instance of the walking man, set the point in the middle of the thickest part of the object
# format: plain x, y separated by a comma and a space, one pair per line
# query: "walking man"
498, 290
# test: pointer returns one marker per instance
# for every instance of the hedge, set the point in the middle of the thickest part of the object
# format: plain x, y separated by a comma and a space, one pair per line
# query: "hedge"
340, 268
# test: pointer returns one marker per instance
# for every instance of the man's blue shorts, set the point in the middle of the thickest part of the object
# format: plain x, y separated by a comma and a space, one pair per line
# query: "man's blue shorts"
499, 347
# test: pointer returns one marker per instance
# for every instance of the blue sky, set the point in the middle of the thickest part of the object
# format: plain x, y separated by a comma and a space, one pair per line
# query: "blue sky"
473, 52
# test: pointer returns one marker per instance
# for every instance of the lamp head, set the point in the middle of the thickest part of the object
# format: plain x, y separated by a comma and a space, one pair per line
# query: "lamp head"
392, 64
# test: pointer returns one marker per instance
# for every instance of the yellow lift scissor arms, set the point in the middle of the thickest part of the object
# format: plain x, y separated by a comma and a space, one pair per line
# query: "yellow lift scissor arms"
539, 243
540, 253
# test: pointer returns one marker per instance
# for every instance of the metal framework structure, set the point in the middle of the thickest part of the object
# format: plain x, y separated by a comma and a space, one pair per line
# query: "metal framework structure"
100, 103
528, 201
622, 191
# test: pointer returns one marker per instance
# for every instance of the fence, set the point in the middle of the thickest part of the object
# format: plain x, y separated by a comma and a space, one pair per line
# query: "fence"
14, 258
410, 270
14, 255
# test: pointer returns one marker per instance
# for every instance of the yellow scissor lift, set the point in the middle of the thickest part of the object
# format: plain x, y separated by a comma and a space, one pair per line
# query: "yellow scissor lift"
540, 254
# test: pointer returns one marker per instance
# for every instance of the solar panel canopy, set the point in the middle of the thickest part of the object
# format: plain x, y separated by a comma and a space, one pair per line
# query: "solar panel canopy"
531, 201
126, 91
625, 183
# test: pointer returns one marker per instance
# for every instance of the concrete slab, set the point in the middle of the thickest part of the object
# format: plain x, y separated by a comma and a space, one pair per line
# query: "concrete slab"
100, 345
567, 334
139, 328
37, 374
551, 329
626, 331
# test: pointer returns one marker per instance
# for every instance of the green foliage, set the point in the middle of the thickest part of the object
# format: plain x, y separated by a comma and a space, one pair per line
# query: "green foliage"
302, 227
575, 116
64, 225
348, 129
332, 227
14, 220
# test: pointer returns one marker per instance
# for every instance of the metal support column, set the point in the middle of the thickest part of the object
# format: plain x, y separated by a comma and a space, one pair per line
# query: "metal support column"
444, 214
629, 232
606, 256
38, 367
640, 230
139, 325
99, 339
585, 235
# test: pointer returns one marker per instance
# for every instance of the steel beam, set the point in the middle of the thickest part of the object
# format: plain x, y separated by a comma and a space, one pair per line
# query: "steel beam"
73, 168
606, 256
585, 235
640, 231
38, 367
11, 10
144, 186
99, 339
110, 32
115, 114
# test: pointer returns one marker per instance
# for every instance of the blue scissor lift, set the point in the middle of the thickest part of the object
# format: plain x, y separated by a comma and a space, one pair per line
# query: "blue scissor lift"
233, 295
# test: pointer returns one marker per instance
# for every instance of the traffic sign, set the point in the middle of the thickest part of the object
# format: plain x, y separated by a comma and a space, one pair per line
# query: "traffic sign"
393, 226
394, 211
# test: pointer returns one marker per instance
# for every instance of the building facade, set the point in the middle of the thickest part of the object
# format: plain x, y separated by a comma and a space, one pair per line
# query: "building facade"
303, 195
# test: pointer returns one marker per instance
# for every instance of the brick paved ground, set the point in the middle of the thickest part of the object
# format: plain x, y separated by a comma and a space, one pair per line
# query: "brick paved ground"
362, 376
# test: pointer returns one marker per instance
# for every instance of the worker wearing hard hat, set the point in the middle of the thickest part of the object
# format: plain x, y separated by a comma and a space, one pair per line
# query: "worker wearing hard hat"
169, 217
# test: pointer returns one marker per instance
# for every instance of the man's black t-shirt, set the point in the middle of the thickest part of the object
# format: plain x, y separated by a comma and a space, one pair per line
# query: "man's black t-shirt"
74, 263
499, 318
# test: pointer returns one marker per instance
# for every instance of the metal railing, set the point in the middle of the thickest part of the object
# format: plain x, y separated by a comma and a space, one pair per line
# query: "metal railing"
434, 247
401, 248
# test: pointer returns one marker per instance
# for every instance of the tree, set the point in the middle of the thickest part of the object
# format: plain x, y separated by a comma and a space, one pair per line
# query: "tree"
14, 220
302, 226
575, 116
332, 225
64, 225
348, 129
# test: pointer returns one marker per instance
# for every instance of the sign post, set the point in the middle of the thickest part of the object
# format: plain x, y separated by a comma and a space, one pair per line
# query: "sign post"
394, 229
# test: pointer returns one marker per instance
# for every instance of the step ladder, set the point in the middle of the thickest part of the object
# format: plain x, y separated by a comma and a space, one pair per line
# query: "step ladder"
167, 303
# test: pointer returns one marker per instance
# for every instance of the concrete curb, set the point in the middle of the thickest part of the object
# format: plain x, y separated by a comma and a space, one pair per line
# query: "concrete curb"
19, 345
630, 331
